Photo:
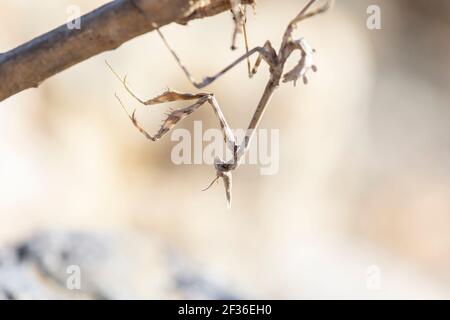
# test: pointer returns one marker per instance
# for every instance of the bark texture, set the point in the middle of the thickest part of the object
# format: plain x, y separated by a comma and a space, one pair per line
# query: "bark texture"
103, 29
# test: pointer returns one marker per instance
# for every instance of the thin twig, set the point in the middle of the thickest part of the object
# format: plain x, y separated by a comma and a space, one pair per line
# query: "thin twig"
103, 29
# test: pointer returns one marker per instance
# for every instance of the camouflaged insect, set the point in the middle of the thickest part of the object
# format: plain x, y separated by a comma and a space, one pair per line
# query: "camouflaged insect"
275, 60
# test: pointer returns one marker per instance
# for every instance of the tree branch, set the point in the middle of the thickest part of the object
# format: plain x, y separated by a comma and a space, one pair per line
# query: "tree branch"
103, 29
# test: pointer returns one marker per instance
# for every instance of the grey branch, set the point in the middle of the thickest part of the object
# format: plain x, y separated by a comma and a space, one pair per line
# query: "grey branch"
103, 29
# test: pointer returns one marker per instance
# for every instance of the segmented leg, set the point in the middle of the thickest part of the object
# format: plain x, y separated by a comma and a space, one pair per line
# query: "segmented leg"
239, 18
170, 121
173, 117
304, 15
265, 53
176, 116
268, 47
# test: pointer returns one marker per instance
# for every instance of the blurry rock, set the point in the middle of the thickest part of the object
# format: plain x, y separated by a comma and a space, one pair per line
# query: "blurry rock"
51, 265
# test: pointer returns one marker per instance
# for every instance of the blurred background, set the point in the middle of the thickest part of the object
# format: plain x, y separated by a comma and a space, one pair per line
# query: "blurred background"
360, 207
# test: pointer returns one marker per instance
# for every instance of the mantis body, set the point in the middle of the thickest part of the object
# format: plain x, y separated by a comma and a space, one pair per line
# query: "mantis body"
275, 60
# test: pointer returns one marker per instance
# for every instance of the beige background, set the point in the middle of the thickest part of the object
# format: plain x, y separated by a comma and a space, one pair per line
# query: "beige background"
364, 177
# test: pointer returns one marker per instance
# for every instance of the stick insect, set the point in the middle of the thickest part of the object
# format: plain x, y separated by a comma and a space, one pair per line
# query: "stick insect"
276, 62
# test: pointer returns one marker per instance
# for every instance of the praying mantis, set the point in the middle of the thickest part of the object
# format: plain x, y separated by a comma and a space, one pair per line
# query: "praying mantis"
276, 62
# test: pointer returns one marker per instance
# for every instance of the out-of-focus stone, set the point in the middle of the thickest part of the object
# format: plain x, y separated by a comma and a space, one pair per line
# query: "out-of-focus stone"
111, 266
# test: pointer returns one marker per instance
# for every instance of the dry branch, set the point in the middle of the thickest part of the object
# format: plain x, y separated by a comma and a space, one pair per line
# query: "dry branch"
103, 29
